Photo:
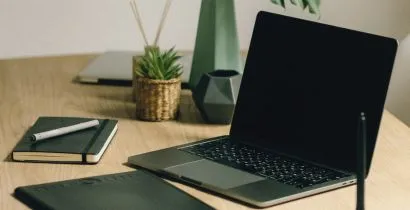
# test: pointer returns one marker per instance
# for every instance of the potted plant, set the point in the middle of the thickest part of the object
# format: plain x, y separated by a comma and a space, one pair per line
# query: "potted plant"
157, 77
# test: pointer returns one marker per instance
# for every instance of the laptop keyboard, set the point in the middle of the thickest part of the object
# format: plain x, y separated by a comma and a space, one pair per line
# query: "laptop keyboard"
274, 166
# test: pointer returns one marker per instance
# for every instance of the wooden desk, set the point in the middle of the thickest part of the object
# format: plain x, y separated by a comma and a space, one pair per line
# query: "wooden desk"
43, 86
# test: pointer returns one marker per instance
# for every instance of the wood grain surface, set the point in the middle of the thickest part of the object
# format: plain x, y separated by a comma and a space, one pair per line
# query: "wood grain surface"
35, 87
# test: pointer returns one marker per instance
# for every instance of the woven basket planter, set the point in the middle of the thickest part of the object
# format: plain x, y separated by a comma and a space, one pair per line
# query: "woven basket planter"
157, 100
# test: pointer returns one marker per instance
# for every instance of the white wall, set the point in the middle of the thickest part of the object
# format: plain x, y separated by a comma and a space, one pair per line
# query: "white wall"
398, 97
48, 27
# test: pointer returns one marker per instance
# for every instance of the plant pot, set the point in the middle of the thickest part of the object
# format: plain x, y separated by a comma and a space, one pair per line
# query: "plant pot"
216, 95
157, 100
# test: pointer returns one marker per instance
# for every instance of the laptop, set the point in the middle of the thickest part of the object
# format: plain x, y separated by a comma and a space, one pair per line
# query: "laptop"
294, 128
115, 67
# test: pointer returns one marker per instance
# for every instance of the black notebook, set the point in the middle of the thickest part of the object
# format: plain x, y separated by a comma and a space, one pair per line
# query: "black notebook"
84, 146
122, 191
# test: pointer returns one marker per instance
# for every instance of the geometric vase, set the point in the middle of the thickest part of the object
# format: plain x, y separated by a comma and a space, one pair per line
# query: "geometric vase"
216, 94
217, 43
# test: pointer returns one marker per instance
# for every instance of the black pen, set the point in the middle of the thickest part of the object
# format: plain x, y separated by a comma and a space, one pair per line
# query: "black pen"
361, 161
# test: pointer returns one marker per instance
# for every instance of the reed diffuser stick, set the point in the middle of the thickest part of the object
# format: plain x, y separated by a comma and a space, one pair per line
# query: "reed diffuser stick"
161, 25
138, 19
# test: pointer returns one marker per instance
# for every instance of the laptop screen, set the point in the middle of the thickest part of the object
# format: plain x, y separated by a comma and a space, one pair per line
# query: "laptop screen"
304, 86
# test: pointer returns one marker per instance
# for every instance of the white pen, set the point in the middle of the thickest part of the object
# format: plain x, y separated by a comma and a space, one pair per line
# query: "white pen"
64, 130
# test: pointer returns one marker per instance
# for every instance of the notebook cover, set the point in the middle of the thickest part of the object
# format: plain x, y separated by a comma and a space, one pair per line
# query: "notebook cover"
88, 141
129, 190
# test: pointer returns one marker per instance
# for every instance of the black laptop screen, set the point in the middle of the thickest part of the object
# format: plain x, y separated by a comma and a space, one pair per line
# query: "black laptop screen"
304, 86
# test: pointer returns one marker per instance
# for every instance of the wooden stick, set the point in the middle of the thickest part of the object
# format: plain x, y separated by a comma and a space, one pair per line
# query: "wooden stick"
161, 25
137, 17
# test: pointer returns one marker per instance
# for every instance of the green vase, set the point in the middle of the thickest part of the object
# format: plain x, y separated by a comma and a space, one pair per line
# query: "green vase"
217, 43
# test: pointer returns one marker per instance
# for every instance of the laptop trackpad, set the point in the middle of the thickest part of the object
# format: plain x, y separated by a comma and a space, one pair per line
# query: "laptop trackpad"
211, 173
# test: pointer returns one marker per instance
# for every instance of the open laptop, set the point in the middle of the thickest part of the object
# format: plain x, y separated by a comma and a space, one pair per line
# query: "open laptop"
294, 128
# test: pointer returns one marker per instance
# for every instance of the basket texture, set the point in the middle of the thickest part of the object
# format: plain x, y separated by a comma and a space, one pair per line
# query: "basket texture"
157, 100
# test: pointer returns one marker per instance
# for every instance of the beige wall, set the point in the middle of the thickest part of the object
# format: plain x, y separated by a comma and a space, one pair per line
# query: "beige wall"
398, 97
49, 27
44, 27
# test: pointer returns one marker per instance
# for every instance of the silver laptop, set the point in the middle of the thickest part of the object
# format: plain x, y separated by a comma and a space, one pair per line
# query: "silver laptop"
113, 66
116, 67
294, 130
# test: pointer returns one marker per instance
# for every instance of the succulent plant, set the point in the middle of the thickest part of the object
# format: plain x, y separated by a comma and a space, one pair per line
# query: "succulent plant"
312, 5
158, 65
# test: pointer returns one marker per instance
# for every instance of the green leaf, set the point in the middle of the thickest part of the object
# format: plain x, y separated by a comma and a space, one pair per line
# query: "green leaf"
173, 71
159, 65
279, 2
139, 73
302, 3
171, 61
313, 6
